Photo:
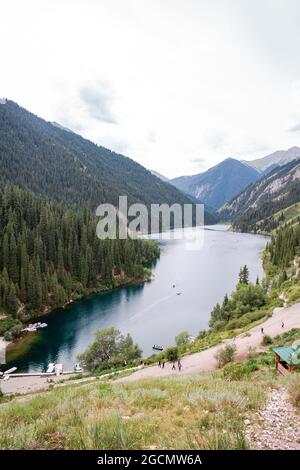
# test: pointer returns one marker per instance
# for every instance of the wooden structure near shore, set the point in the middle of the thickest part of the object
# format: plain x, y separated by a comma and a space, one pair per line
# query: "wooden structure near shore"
283, 359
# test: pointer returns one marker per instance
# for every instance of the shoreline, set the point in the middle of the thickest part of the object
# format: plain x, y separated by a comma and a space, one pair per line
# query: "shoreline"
47, 312
193, 363
16, 345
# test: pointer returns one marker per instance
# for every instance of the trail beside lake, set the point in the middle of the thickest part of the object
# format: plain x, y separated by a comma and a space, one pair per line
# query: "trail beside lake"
191, 364
205, 360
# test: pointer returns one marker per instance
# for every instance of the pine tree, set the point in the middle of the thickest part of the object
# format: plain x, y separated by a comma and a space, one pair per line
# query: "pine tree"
244, 275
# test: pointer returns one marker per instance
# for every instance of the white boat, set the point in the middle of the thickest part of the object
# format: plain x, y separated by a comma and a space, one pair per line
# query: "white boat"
51, 368
30, 329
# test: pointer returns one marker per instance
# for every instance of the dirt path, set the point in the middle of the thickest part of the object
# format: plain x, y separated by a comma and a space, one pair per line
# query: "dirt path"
205, 360
276, 426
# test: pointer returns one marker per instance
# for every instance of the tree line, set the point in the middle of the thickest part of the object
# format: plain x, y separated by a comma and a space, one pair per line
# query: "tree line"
284, 246
247, 297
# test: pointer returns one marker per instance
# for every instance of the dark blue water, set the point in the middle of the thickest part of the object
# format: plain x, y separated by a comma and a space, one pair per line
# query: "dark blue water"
153, 312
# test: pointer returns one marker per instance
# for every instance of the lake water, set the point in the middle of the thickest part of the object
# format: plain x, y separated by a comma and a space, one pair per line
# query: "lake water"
153, 313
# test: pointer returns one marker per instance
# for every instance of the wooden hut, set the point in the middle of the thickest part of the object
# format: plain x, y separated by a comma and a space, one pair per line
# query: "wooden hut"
283, 359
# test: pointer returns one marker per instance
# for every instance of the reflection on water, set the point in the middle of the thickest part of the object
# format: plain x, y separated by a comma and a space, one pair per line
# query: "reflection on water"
152, 312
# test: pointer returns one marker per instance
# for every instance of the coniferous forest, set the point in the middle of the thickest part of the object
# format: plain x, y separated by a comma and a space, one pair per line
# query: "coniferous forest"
284, 246
50, 254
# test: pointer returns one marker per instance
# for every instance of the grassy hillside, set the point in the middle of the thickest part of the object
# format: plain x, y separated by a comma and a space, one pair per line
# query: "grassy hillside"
201, 411
183, 412
290, 215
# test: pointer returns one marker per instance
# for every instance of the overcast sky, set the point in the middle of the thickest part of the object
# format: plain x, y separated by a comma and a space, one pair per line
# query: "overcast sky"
178, 85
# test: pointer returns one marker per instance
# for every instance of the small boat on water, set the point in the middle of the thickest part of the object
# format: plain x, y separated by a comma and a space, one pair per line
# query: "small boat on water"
178, 293
157, 348
32, 327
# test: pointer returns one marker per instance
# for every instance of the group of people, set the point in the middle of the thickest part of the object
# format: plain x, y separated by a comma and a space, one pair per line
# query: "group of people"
161, 364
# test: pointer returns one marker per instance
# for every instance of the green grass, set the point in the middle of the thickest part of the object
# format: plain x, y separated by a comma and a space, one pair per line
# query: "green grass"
204, 411
289, 212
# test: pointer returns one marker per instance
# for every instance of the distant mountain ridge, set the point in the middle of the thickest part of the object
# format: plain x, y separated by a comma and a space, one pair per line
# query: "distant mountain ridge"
278, 158
219, 184
274, 192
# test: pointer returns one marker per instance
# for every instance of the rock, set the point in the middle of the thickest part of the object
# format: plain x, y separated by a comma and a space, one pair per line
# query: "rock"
277, 424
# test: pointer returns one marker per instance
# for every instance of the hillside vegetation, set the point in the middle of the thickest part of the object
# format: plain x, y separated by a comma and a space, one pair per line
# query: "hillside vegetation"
251, 210
64, 167
200, 411
51, 254
183, 412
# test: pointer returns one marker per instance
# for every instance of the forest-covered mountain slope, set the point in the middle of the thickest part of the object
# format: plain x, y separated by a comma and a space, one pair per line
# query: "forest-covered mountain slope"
260, 201
61, 165
50, 254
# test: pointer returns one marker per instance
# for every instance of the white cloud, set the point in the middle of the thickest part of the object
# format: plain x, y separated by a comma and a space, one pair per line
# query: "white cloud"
168, 82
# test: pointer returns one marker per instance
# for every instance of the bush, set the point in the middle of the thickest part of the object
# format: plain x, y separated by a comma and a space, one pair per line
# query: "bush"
266, 341
172, 354
110, 349
202, 334
245, 320
8, 336
182, 338
225, 355
8, 323
238, 371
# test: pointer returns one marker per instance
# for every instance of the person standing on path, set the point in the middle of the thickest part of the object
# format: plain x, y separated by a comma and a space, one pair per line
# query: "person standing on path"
163, 365
262, 331
179, 365
282, 324
173, 366
159, 363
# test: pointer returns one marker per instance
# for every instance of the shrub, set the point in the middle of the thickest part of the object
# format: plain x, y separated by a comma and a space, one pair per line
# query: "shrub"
8, 323
238, 371
225, 355
182, 338
172, 354
110, 349
266, 341
252, 352
202, 334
